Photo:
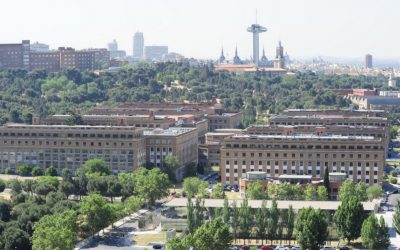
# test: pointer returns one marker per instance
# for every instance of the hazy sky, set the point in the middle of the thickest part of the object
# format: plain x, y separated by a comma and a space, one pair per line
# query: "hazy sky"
339, 28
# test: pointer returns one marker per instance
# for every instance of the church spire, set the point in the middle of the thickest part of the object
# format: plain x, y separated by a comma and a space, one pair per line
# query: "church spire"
222, 57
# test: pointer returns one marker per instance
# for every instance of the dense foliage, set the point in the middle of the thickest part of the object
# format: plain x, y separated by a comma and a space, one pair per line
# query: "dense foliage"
25, 94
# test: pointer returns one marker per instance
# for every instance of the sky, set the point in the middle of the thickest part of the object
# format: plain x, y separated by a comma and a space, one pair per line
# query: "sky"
307, 28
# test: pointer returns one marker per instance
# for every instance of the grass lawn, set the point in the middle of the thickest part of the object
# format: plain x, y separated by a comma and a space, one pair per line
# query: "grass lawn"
145, 239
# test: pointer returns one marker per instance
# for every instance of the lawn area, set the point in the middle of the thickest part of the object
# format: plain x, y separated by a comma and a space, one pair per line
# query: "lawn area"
392, 163
233, 195
145, 239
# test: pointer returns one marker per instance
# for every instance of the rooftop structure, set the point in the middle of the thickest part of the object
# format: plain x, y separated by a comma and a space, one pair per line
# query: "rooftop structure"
282, 204
256, 29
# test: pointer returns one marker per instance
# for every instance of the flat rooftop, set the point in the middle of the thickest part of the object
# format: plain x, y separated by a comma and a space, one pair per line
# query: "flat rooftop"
327, 117
88, 127
282, 204
305, 136
174, 131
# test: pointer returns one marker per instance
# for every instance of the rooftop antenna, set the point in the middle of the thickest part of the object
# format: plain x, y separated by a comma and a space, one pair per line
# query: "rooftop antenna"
256, 17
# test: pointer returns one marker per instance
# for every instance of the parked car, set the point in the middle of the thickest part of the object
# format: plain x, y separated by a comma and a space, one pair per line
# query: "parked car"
296, 248
158, 246
267, 248
328, 248
344, 248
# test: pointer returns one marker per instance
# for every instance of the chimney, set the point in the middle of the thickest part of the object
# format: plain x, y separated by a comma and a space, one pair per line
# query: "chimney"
35, 120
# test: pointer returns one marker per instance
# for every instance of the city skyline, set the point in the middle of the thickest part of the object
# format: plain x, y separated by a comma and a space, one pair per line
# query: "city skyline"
306, 29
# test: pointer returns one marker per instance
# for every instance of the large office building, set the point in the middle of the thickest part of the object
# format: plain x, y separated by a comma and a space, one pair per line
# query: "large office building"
138, 45
155, 52
224, 120
122, 148
179, 142
15, 55
361, 157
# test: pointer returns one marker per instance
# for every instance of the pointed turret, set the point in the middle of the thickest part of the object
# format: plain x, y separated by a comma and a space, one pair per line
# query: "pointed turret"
222, 57
236, 59
264, 60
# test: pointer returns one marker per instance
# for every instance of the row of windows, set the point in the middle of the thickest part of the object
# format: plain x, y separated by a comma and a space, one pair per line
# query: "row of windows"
302, 146
301, 163
235, 180
62, 143
273, 122
301, 172
70, 135
301, 155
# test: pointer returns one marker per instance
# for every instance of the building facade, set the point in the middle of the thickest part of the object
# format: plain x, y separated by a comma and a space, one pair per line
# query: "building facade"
368, 61
15, 55
138, 45
155, 52
224, 120
361, 157
122, 148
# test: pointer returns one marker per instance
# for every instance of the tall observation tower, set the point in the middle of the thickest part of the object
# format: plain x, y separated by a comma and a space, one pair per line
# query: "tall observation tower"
256, 29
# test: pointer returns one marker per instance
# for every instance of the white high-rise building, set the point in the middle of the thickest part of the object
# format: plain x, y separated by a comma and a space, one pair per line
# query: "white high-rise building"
391, 82
112, 46
138, 45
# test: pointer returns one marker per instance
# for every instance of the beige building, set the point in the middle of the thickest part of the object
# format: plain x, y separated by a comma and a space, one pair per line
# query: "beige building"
179, 142
361, 157
122, 148
224, 120
139, 121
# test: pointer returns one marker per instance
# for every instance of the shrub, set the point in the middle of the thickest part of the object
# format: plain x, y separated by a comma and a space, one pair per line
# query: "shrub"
393, 180
24, 169
2, 186
393, 173
9, 171
37, 171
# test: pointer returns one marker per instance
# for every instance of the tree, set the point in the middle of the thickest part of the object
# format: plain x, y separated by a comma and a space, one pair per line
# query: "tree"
396, 218
261, 221
37, 171
235, 219
225, 211
374, 192
309, 192
346, 190
322, 193
290, 219
67, 188
255, 191
151, 184
191, 185
95, 167
46, 184
273, 220
190, 215
133, 204
212, 235
170, 165
349, 218
326, 181
15, 238
375, 235
55, 232
198, 212
361, 191
15, 186
2, 186
176, 244
51, 171
95, 212
245, 220
218, 191
23, 169
311, 228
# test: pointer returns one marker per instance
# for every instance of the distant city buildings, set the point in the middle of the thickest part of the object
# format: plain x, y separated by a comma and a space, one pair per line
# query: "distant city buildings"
155, 52
272, 68
114, 52
368, 61
21, 55
138, 45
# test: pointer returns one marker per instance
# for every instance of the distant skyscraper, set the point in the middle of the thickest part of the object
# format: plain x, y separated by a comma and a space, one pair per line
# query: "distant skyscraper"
138, 45
155, 52
256, 29
112, 46
392, 82
368, 61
